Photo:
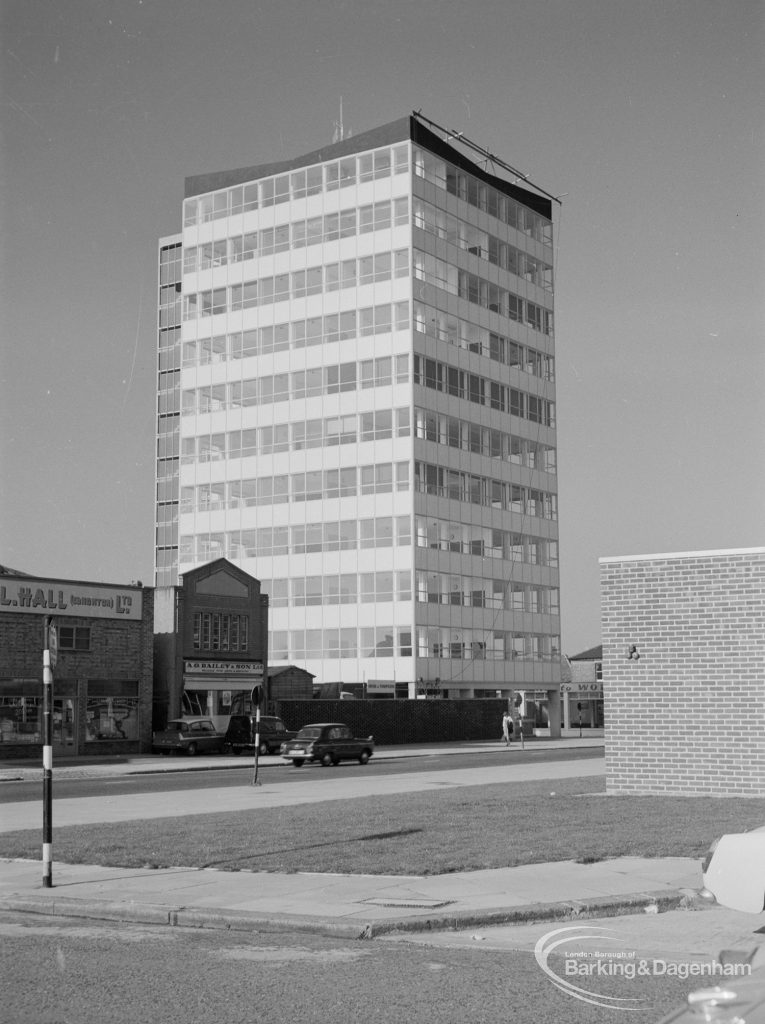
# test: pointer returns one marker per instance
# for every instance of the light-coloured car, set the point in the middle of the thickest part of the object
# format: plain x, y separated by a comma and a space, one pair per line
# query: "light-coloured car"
733, 871
741, 1002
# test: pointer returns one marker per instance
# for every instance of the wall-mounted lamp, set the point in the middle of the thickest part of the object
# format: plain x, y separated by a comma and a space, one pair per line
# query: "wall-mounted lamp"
632, 653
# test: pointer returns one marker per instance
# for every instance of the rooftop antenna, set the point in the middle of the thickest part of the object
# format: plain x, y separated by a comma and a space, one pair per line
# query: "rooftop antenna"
339, 133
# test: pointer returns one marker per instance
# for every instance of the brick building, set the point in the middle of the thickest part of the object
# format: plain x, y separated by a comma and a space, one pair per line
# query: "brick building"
582, 689
210, 643
683, 664
101, 643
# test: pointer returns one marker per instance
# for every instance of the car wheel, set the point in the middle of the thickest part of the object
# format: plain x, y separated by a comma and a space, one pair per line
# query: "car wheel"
191, 749
298, 762
335, 760
165, 753
236, 751
263, 748
363, 757
327, 760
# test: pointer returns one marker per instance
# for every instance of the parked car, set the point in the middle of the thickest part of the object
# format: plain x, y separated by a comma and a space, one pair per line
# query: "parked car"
240, 734
329, 743
738, 1000
733, 871
190, 736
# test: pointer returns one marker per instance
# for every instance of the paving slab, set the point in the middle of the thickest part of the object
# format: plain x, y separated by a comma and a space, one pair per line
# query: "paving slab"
369, 904
697, 933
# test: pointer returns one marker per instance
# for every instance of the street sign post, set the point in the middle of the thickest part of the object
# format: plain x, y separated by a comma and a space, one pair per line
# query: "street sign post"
53, 643
255, 697
518, 717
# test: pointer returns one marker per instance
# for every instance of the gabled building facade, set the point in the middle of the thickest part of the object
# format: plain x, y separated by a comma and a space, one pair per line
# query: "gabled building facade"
356, 405
210, 643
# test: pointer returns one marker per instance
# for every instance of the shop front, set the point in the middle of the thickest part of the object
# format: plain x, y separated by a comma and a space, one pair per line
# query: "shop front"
582, 690
211, 687
99, 639
582, 705
21, 720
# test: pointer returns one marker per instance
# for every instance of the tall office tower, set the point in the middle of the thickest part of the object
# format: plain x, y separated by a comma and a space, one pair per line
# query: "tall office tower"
361, 395
168, 412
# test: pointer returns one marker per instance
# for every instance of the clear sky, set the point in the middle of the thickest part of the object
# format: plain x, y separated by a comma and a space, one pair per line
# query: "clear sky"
646, 116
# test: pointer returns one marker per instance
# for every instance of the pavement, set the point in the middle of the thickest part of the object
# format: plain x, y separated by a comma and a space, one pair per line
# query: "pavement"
357, 906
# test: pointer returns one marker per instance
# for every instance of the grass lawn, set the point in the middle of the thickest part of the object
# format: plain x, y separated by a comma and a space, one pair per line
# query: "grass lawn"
420, 833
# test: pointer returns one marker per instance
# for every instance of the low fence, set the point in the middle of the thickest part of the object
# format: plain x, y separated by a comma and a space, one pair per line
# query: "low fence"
394, 722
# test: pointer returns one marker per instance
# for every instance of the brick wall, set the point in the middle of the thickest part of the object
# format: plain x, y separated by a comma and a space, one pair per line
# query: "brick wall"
402, 721
688, 715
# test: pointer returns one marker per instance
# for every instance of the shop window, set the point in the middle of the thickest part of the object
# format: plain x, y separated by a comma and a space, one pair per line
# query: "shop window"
111, 718
20, 719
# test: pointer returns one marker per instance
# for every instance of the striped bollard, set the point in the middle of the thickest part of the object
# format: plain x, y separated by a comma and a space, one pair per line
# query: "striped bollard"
47, 849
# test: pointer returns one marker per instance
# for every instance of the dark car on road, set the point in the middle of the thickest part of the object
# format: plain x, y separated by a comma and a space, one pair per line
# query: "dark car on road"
328, 743
240, 735
188, 736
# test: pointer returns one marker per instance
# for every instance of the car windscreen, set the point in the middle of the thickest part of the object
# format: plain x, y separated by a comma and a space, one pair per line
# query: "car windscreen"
309, 732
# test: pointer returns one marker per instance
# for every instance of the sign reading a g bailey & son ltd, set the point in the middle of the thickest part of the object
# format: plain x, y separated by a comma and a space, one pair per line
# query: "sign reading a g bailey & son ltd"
223, 668
30, 596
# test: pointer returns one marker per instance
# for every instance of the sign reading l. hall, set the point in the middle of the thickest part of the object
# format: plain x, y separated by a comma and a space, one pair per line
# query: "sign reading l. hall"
30, 596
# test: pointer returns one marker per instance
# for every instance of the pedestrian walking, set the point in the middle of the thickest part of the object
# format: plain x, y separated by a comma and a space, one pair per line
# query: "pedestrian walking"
506, 726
